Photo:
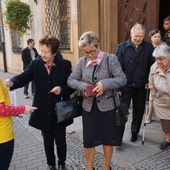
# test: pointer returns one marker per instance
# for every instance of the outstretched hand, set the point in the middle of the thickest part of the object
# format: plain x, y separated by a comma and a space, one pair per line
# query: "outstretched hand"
8, 83
29, 109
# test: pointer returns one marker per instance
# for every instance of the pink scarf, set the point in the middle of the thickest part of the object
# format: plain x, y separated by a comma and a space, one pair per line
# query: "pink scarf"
97, 60
48, 66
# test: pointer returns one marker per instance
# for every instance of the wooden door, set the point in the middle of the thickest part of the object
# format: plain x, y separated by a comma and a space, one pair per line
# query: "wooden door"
145, 12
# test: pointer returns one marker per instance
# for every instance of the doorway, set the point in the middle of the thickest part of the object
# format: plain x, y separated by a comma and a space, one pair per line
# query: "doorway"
164, 11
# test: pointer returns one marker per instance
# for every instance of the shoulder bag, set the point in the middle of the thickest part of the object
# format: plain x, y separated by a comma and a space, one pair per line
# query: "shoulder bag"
68, 109
121, 110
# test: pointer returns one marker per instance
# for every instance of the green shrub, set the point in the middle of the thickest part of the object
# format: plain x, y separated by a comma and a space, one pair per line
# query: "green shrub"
17, 16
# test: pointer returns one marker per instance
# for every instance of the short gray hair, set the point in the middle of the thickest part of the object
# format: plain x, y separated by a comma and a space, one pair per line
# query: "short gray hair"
162, 50
137, 26
88, 38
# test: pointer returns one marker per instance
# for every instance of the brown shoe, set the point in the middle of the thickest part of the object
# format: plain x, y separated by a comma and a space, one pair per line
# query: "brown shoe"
164, 145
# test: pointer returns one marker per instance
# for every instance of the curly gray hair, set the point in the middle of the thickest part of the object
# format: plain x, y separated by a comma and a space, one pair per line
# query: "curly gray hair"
162, 50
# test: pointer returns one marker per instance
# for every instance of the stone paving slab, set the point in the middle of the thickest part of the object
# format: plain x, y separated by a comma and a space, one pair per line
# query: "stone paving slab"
28, 151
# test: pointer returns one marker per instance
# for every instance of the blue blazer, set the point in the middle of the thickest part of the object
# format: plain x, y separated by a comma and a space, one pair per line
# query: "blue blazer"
135, 64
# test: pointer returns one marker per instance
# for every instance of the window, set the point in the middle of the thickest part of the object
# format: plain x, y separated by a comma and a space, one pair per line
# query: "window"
58, 21
16, 42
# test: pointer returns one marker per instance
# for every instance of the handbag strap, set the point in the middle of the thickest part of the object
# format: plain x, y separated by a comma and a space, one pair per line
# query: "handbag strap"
110, 75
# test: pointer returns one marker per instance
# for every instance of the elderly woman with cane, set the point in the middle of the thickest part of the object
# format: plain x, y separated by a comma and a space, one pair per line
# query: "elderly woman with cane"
159, 85
155, 36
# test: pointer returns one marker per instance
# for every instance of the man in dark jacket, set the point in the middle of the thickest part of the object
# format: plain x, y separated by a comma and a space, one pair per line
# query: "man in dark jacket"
50, 74
28, 54
135, 57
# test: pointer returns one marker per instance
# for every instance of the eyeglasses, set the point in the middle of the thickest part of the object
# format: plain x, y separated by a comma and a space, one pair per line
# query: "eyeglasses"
92, 52
160, 59
45, 52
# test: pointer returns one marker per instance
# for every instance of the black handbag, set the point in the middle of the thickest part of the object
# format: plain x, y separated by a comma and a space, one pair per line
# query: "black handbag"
69, 109
121, 112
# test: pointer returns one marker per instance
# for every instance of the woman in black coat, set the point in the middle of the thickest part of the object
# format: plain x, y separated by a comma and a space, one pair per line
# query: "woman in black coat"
50, 74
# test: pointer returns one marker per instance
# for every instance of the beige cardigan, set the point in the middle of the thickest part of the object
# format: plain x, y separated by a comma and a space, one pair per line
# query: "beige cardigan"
159, 85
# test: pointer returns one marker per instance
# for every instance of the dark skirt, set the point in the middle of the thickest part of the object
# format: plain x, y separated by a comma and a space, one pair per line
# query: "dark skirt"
99, 128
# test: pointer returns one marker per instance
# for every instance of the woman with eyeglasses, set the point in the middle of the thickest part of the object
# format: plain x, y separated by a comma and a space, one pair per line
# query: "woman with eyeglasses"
159, 85
50, 73
102, 69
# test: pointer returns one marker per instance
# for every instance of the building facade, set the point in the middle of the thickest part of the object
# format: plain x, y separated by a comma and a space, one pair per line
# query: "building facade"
111, 20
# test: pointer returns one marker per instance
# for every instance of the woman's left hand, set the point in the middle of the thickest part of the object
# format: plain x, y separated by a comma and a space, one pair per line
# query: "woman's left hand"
99, 89
56, 90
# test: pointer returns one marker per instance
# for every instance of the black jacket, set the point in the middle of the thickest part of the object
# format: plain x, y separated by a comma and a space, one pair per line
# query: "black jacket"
166, 38
44, 117
135, 64
26, 56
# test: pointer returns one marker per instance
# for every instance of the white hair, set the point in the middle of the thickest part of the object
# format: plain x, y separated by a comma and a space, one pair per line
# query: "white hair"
162, 50
137, 26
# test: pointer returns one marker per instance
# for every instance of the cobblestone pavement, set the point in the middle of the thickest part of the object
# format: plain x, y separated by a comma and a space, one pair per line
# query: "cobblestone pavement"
160, 161
29, 152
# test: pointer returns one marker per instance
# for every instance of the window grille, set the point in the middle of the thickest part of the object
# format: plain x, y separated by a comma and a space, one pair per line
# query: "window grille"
58, 21
16, 42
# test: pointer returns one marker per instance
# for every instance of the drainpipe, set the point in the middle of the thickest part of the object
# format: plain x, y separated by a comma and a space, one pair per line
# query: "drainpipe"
3, 40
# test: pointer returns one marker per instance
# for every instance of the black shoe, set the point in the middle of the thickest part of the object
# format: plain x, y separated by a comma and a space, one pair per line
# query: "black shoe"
61, 167
164, 145
52, 168
133, 137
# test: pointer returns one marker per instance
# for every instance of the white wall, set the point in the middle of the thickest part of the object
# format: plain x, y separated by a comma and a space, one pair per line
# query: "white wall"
37, 31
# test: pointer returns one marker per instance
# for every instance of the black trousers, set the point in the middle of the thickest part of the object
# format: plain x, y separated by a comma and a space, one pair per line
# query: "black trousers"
27, 86
6, 152
138, 97
59, 136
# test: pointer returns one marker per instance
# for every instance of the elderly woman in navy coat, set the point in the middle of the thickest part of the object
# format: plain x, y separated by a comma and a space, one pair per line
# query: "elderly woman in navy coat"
98, 111
50, 74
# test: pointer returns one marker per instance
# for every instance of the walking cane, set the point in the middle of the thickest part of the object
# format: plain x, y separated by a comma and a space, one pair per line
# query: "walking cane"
146, 112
